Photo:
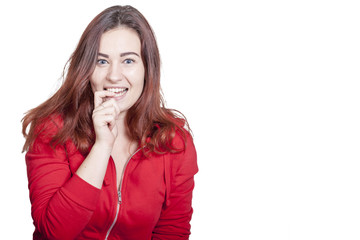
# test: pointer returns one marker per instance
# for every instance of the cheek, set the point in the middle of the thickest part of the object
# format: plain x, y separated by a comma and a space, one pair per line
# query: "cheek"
140, 84
95, 82
136, 77
93, 85
141, 79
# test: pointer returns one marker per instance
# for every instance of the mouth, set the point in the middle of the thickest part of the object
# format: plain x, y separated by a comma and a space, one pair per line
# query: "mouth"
118, 91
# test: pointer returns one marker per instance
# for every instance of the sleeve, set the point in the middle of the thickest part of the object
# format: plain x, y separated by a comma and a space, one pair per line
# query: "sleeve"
174, 221
61, 203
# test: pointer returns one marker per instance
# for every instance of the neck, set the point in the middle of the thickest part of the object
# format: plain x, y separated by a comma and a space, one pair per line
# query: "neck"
123, 142
120, 124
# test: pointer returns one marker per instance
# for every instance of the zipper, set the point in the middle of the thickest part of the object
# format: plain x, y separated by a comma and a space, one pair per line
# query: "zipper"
122, 174
113, 223
119, 195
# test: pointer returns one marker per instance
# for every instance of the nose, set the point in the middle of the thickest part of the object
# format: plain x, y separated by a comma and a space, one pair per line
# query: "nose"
115, 73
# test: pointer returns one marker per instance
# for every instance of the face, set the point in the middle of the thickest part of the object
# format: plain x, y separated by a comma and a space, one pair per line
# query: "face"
119, 67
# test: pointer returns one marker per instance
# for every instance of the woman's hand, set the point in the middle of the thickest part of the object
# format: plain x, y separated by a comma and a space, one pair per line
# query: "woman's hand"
105, 114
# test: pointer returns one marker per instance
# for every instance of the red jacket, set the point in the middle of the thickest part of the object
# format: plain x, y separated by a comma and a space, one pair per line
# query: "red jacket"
155, 202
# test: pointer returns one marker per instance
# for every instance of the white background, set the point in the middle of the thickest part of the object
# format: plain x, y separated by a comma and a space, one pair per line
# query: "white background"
271, 91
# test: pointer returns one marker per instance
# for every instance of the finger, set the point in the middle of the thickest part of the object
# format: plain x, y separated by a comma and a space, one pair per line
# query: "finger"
110, 121
104, 120
99, 97
110, 108
115, 105
105, 110
109, 104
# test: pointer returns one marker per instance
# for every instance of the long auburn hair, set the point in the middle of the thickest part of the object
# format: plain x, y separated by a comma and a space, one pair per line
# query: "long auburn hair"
147, 121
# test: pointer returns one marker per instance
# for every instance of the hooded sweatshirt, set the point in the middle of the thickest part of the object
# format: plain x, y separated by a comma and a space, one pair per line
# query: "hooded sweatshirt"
154, 200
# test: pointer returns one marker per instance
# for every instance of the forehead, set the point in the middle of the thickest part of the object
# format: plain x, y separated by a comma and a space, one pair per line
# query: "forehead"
119, 40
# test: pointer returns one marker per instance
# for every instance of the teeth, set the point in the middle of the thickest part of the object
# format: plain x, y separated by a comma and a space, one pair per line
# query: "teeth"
117, 90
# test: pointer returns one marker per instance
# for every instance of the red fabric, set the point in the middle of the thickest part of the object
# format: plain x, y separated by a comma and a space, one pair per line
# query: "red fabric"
156, 194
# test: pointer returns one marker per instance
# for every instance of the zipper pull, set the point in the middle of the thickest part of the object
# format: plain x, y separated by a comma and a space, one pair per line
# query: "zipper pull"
119, 196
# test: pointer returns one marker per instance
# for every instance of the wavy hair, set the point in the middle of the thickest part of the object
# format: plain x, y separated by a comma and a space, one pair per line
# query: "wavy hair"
147, 121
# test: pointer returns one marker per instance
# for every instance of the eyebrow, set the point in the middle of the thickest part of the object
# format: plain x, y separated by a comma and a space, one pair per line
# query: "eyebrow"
129, 53
103, 55
121, 55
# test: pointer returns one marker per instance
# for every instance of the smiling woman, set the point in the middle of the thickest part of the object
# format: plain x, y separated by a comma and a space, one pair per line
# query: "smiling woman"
119, 68
105, 158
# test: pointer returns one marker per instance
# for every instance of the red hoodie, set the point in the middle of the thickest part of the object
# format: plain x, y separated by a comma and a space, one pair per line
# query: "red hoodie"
154, 201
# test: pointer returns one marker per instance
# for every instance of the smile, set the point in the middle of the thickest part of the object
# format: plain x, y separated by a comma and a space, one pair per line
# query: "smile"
117, 91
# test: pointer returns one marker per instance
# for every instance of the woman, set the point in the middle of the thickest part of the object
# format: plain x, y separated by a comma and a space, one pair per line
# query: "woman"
105, 158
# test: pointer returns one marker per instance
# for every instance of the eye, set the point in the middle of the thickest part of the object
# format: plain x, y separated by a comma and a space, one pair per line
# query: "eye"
102, 61
128, 61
